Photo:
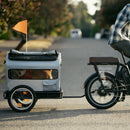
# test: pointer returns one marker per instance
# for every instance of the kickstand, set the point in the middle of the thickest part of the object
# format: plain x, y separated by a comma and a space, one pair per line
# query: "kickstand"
122, 99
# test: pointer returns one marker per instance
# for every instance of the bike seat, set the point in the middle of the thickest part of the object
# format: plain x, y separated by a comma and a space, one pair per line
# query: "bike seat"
103, 60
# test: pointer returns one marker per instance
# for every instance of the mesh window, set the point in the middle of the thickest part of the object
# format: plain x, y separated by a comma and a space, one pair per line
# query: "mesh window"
33, 74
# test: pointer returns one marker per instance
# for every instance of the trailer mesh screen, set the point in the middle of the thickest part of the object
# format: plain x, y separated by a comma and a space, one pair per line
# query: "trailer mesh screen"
33, 74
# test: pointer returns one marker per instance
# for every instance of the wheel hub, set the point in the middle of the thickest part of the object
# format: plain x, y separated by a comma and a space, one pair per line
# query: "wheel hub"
101, 91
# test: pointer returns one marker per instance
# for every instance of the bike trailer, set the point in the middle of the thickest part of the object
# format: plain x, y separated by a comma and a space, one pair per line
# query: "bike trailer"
39, 71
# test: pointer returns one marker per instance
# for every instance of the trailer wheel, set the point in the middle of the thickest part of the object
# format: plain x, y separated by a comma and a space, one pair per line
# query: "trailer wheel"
22, 99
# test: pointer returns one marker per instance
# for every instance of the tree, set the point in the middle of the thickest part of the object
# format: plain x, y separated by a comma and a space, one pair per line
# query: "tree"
14, 11
109, 11
8, 14
45, 16
81, 19
51, 14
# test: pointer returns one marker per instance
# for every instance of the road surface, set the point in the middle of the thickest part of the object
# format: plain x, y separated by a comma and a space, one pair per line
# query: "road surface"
70, 114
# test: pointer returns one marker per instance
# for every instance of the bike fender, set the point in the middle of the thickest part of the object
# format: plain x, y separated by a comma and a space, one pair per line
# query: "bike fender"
109, 74
95, 74
88, 79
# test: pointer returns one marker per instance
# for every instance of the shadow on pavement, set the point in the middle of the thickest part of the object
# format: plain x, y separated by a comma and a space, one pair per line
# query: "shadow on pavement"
53, 113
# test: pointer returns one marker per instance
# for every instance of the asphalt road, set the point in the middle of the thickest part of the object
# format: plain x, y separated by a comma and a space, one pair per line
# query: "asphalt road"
71, 114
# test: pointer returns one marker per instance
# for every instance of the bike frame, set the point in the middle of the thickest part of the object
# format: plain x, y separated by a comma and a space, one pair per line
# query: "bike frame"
103, 61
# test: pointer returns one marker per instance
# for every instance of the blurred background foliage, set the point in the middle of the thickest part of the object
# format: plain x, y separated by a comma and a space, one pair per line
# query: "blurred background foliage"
56, 17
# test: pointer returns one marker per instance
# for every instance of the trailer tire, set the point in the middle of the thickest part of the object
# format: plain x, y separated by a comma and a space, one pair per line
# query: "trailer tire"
22, 98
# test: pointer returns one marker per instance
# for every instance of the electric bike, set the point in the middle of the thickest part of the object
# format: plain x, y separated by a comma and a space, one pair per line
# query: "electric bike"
104, 90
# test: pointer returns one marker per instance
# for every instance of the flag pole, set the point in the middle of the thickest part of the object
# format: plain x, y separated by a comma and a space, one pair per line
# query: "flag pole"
26, 44
26, 39
22, 27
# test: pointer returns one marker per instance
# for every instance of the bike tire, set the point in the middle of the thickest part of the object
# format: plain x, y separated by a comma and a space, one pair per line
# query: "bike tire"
100, 104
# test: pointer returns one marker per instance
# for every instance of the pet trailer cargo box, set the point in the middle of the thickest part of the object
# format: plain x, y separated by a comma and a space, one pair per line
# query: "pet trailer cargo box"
36, 72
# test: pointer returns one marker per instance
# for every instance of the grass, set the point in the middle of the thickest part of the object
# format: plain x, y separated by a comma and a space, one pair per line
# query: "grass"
37, 45
2, 80
2, 73
2, 57
2, 65
2, 69
1, 41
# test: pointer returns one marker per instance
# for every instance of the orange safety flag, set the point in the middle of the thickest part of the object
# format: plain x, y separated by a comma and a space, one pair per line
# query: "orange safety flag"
21, 26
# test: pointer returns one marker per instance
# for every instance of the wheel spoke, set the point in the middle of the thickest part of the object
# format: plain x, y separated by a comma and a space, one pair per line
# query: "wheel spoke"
94, 91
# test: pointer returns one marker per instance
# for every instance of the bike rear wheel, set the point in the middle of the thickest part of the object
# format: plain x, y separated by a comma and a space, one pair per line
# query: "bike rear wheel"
98, 96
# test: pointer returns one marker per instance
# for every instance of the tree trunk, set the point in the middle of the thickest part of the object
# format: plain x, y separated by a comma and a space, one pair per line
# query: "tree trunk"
47, 27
